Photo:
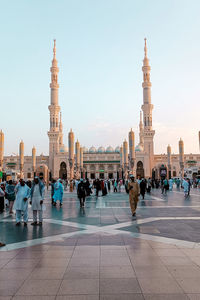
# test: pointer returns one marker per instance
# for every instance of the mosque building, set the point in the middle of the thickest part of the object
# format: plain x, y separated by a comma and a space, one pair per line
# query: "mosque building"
76, 161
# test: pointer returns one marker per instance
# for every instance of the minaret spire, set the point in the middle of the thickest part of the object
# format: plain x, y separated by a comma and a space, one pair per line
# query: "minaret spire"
145, 47
54, 49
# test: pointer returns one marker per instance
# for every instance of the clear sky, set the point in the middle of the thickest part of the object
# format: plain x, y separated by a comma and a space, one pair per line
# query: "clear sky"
99, 50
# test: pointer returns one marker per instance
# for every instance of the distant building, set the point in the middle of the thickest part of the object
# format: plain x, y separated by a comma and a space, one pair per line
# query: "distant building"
75, 161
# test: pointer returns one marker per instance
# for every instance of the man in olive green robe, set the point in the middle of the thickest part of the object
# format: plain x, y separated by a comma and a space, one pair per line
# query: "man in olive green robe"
134, 192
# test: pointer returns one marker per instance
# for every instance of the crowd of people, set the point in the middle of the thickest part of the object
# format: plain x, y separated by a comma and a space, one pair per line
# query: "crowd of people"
17, 195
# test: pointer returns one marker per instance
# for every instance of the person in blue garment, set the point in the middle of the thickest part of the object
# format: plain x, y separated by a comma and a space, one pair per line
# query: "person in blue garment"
186, 187
171, 184
58, 193
10, 194
21, 202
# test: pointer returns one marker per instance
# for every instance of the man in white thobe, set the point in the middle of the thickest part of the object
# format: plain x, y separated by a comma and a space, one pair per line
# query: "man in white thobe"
21, 202
37, 198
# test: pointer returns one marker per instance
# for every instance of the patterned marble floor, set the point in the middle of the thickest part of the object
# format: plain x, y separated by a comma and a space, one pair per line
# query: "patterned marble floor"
102, 252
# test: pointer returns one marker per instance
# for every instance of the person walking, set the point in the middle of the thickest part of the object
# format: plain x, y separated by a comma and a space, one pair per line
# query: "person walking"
58, 193
52, 189
21, 203
87, 187
2, 194
143, 188
149, 185
98, 187
37, 198
10, 194
134, 192
115, 186
165, 185
185, 185
108, 185
171, 184
81, 193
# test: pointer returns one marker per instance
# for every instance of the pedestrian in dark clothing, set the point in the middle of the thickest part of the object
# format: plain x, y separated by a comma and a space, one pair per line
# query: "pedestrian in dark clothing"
109, 185
143, 188
98, 187
2, 194
87, 187
81, 193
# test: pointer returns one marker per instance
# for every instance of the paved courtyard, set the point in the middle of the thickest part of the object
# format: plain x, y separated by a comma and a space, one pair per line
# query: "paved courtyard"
102, 252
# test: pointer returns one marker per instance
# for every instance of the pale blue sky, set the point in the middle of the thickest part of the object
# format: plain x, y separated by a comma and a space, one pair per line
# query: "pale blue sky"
100, 51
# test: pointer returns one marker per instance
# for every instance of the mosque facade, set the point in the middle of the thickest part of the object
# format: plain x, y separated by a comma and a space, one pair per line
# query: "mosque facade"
76, 161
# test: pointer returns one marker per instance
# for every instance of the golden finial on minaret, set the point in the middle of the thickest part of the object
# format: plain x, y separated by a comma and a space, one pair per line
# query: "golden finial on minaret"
54, 49
145, 47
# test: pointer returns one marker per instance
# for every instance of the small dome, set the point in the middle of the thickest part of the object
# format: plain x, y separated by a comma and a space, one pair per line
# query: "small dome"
117, 149
109, 149
101, 149
85, 150
92, 150
63, 149
139, 148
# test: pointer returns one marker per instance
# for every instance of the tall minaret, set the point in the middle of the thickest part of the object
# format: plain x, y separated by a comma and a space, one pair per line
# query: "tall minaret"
60, 131
1, 149
147, 108
54, 110
141, 129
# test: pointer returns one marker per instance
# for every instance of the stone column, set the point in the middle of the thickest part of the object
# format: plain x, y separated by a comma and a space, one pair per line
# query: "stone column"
121, 162
132, 150
21, 159
33, 161
125, 151
181, 157
71, 157
169, 161
81, 160
77, 151
1, 150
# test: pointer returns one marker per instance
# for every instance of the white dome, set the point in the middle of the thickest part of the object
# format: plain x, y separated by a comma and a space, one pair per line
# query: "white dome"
85, 150
139, 148
109, 149
117, 149
92, 150
101, 149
